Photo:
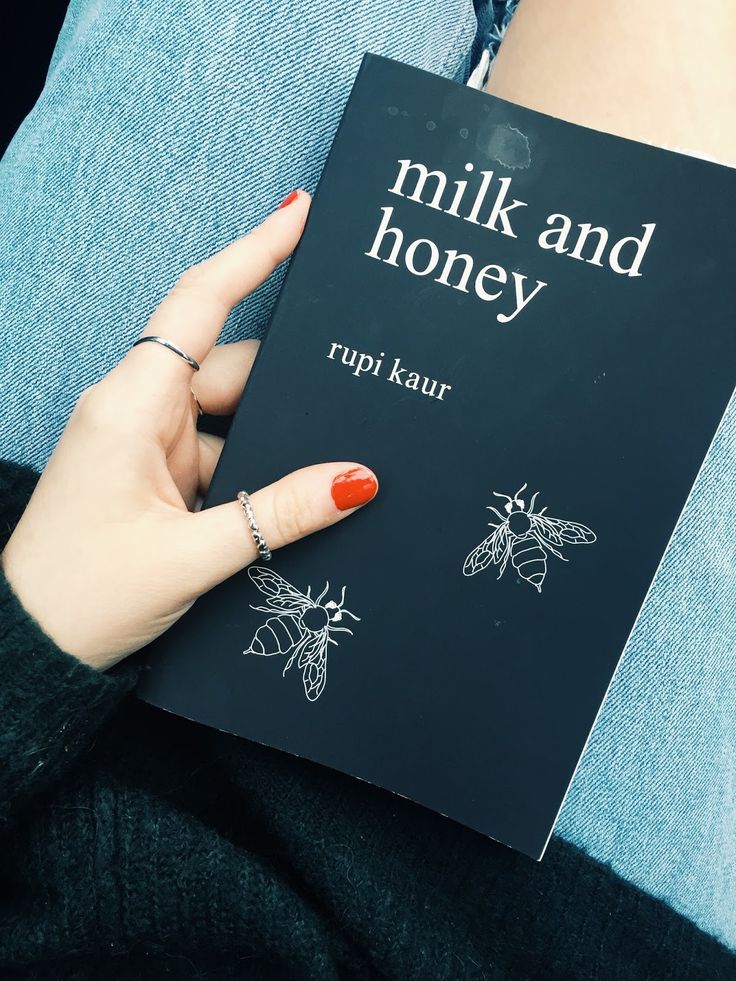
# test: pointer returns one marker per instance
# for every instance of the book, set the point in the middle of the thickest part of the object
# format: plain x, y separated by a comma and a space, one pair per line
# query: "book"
526, 329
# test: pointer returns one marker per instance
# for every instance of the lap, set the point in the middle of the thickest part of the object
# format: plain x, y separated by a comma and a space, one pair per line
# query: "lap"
157, 140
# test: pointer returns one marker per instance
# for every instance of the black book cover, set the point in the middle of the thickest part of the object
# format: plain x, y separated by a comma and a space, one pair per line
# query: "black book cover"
526, 328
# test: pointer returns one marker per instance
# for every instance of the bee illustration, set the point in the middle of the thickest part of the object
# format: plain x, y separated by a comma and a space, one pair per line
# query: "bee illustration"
301, 627
525, 537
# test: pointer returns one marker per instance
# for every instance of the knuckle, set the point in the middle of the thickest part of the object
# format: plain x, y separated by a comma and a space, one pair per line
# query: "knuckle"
266, 247
196, 287
85, 396
293, 515
192, 277
97, 407
89, 400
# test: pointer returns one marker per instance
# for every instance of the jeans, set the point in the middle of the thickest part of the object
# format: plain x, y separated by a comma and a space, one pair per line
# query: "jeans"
164, 133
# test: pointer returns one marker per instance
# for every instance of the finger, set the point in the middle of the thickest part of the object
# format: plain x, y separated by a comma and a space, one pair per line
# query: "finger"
193, 313
225, 370
210, 448
220, 542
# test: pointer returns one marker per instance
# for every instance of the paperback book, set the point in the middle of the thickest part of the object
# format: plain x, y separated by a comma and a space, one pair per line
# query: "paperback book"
526, 329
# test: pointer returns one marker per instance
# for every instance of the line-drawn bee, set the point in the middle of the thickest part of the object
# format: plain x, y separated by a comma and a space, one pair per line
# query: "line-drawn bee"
301, 627
525, 538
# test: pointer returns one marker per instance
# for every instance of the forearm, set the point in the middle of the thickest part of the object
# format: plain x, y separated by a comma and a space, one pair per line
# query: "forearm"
660, 72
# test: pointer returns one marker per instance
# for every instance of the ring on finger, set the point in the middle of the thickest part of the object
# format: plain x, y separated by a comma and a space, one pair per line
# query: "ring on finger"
200, 410
260, 542
170, 346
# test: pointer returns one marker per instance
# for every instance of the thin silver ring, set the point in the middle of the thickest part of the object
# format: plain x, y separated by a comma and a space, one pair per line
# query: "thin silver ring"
260, 542
200, 410
171, 346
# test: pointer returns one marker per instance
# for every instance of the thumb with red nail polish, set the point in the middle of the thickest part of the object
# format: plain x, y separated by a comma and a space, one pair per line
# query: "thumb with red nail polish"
299, 504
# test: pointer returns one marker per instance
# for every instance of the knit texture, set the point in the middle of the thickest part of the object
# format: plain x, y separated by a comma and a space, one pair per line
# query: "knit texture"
46, 726
135, 844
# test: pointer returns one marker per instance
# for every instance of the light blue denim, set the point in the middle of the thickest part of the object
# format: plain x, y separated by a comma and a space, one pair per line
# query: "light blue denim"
163, 133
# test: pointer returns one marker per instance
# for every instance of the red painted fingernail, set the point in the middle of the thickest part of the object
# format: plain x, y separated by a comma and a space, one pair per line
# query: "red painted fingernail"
289, 199
353, 488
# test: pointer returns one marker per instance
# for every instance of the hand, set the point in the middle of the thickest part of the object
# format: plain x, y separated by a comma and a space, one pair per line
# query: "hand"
108, 553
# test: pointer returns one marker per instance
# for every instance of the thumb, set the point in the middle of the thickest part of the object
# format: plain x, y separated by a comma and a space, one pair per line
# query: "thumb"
220, 542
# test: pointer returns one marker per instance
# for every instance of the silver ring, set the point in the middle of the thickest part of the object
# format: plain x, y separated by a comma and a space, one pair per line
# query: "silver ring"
200, 410
260, 542
171, 346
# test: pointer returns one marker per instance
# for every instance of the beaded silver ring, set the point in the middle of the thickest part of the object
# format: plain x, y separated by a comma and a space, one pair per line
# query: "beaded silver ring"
260, 542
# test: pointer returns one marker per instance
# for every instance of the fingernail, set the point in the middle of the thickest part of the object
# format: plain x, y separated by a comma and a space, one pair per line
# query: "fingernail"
353, 488
289, 199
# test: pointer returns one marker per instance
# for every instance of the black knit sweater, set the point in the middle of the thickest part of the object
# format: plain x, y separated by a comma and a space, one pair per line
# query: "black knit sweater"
134, 844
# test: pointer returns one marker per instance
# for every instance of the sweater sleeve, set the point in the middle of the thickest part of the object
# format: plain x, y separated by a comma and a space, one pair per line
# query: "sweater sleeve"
51, 704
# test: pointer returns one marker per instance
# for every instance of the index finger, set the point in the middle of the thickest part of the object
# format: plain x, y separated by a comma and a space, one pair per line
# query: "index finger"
192, 315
